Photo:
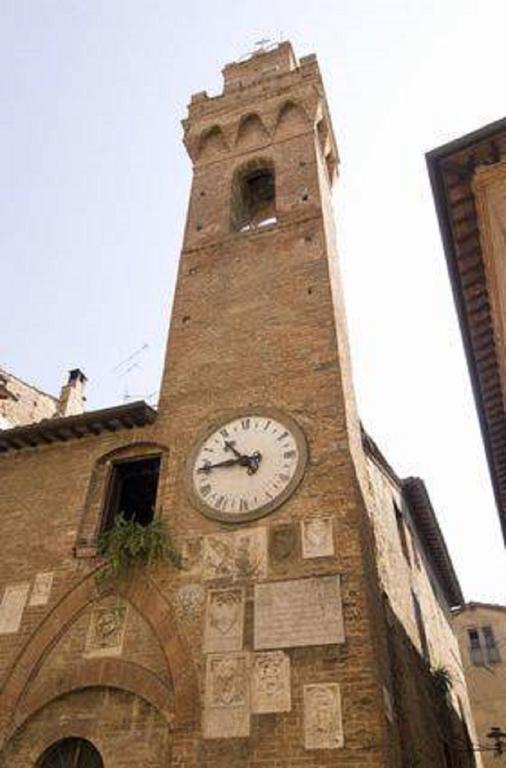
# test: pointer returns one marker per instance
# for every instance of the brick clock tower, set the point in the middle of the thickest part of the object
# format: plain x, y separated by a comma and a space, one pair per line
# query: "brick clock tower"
258, 408
268, 647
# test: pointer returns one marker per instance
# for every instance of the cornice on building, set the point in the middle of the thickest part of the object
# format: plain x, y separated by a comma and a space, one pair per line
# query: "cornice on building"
58, 430
452, 169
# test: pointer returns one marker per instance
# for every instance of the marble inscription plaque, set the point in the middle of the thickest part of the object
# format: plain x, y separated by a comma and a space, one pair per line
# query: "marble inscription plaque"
227, 710
270, 682
317, 537
323, 727
12, 607
41, 589
299, 612
106, 631
224, 620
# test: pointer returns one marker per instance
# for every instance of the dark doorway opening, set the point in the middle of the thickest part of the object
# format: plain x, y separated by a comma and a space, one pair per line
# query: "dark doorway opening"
70, 753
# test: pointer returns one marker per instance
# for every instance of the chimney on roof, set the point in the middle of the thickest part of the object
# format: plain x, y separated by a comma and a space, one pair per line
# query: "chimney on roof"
71, 402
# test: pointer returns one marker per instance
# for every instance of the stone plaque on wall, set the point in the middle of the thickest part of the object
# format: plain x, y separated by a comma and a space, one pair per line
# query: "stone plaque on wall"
218, 557
283, 542
298, 612
227, 707
323, 727
41, 589
224, 620
106, 631
270, 682
12, 607
242, 554
317, 537
190, 598
250, 553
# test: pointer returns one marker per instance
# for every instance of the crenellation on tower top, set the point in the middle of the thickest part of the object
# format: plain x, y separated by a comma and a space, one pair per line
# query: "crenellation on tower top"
260, 65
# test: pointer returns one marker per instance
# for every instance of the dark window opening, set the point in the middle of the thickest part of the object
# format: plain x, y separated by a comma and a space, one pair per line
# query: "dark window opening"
401, 529
254, 199
475, 649
70, 753
420, 626
491, 648
132, 491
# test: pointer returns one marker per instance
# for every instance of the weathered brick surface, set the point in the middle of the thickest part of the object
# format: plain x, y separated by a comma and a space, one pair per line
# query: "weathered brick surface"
257, 320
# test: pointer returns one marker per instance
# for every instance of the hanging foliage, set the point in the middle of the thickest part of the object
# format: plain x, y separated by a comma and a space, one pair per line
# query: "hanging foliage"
442, 680
128, 544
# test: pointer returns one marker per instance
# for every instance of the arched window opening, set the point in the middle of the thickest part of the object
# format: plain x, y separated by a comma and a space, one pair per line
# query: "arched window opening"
254, 198
70, 753
132, 491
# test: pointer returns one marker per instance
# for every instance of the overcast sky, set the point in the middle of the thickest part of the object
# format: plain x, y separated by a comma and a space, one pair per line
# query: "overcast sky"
94, 187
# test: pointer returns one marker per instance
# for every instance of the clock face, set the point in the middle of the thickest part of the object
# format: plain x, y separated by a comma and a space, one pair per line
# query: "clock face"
247, 466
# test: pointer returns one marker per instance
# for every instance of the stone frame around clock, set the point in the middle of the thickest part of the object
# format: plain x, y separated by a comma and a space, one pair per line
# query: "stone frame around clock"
225, 418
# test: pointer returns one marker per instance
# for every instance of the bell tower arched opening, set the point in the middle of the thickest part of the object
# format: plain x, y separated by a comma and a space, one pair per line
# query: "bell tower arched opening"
253, 199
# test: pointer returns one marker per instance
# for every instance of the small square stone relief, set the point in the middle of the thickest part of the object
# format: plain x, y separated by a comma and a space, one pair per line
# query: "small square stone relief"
106, 631
190, 599
250, 552
270, 682
218, 556
283, 542
242, 554
317, 537
227, 706
41, 589
323, 727
224, 620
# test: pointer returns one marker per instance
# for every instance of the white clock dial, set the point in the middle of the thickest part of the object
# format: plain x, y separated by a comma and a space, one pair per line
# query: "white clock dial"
247, 466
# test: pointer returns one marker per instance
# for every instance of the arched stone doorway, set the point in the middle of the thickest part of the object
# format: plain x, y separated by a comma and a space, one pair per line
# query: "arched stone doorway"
70, 753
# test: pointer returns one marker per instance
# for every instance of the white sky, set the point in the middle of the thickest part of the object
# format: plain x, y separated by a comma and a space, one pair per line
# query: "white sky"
94, 185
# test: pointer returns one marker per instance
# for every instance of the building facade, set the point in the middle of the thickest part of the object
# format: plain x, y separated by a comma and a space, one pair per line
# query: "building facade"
481, 631
308, 622
22, 404
468, 179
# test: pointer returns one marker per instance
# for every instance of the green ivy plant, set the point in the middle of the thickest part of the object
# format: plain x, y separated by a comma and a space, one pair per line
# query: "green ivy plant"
127, 545
442, 680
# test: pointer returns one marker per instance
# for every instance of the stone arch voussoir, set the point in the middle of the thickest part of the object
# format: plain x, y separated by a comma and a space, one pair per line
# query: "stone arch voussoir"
147, 599
100, 673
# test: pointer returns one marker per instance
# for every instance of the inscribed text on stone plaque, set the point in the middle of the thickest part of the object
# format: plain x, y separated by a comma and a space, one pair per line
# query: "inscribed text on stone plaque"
298, 612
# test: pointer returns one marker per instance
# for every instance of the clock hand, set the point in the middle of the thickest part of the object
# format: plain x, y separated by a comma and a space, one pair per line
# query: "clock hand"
229, 446
252, 462
227, 463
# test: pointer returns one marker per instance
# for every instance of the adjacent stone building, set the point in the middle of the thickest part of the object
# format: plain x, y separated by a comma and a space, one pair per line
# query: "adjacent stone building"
481, 630
309, 622
22, 403
468, 179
